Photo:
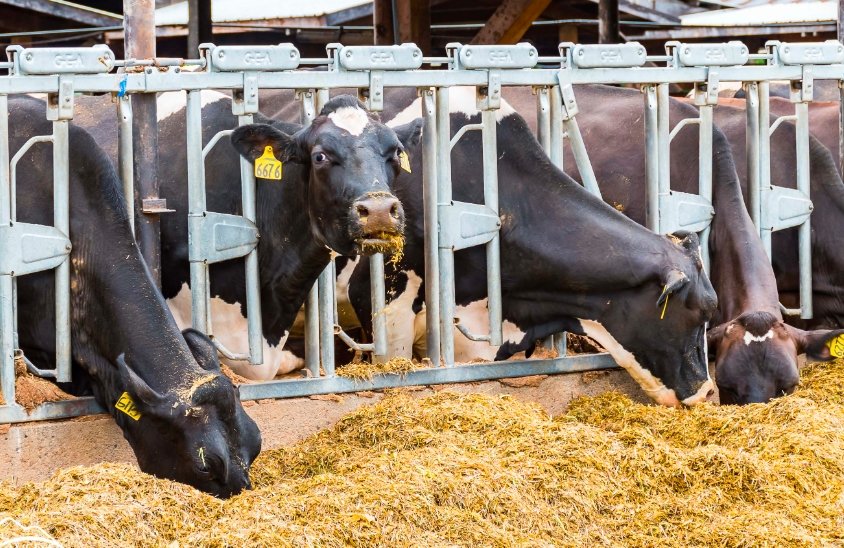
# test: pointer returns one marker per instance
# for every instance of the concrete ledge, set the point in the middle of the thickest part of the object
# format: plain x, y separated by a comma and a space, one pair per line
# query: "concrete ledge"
34, 451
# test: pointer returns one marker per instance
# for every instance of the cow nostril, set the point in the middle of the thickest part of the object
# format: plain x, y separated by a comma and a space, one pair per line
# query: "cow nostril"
710, 393
394, 211
362, 210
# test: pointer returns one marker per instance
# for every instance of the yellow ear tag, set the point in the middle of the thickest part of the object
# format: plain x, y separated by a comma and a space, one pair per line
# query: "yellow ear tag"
126, 405
404, 161
267, 167
665, 304
836, 346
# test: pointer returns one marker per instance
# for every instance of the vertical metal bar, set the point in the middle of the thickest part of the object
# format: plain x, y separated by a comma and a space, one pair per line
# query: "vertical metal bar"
447, 304
429, 199
764, 159
805, 232
752, 143
126, 155
312, 302
379, 318
7, 310
493, 247
556, 130
326, 319
61, 220
253, 285
581, 157
664, 146
543, 119
196, 209
705, 173
651, 157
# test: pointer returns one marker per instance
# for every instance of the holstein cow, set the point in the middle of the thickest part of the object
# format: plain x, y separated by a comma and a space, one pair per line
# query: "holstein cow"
827, 193
334, 197
569, 262
190, 425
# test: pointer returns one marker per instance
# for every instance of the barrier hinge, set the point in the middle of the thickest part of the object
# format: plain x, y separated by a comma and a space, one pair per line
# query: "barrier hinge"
465, 225
60, 105
29, 248
785, 208
221, 236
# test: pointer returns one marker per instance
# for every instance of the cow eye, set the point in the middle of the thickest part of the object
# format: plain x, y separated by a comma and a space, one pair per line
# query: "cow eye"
320, 157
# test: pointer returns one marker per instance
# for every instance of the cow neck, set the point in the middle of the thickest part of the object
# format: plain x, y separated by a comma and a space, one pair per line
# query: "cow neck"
741, 272
828, 189
290, 257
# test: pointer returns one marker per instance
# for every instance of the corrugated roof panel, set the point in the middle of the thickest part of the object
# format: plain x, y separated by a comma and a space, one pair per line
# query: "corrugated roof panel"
769, 14
228, 11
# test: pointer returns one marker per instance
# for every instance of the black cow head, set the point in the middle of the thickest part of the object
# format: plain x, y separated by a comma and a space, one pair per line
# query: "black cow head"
201, 435
757, 356
658, 335
352, 161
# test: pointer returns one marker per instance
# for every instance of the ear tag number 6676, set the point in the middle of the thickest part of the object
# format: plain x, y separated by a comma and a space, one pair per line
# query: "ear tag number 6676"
267, 167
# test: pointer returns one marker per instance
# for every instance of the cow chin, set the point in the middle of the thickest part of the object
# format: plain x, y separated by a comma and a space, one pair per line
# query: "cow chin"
388, 243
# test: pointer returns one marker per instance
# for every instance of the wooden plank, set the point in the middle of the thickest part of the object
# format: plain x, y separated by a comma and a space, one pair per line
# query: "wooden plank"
382, 21
414, 22
69, 11
510, 22
608, 22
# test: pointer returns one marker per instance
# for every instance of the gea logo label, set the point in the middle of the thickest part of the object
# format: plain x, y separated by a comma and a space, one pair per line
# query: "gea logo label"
500, 56
382, 58
610, 55
65, 60
256, 58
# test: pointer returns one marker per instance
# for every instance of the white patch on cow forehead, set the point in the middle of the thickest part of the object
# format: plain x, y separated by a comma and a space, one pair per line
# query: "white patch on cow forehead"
171, 102
352, 119
652, 386
749, 337
462, 99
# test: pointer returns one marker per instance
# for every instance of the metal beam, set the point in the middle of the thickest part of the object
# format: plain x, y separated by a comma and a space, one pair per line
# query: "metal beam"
414, 23
200, 29
608, 22
352, 14
690, 33
68, 10
510, 21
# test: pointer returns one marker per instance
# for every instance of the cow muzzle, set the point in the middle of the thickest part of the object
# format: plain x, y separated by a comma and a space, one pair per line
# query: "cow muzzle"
379, 217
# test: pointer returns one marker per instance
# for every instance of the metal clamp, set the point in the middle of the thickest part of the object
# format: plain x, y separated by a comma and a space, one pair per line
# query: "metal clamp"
245, 101
807, 53
489, 97
60, 105
785, 208
400, 57
803, 90
29, 248
631, 54
681, 211
97, 59
519, 56
466, 225
221, 237
707, 94
250, 58
708, 55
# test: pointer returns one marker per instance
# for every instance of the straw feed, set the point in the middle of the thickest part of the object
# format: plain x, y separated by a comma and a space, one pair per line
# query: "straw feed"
31, 391
477, 470
364, 371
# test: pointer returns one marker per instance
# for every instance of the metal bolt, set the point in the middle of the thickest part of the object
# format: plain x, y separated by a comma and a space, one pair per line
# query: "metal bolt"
292, 54
580, 53
416, 53
149, 70
68, 247
532, 53
468, 53
29, 57
221, 54
785, 50
687, 51
348, 53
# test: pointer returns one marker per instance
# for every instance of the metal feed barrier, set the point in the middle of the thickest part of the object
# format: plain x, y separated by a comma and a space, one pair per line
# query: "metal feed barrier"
245, 70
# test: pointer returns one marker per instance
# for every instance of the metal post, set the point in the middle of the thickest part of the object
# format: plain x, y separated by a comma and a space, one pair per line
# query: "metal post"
493, 247
651, 158
446, 254
752, 143
543, 119
312, 302
61, 220
139, 24
840, 33
196, 208
581, 157
379, 318
126, 155
556, 130
7, 310
253, 287
664, 146
805, 231
608, 32
764, 159
326, 318
429, 199
705, 173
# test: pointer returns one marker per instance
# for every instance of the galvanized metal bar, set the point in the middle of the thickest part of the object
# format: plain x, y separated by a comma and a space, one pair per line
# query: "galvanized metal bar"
543, 118
214, 140
326, 284
196, 210
780, 120
556, 130
7, 309
377, 299
581, 156
489, 138
764, 155
308, 98
446, 254
652, 157
351, 343
61, 220
705, 173
462, 131
752, 144
801, 109
430, 202
254, 324
680, 125
664, 146
126, 152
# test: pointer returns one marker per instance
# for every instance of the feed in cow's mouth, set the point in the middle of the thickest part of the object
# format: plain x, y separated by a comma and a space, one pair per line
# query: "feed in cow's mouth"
389, 243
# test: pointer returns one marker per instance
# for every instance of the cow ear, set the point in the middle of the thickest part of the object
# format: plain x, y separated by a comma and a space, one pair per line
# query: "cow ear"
251, 140
138, 389
672, 282
203, 350
410, 134
820, 344
715, 335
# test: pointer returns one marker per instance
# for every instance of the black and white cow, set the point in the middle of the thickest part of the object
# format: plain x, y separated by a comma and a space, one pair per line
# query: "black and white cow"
334, 197
191, 426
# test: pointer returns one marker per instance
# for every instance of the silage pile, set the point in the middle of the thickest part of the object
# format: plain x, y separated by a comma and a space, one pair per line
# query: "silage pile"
477, 470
